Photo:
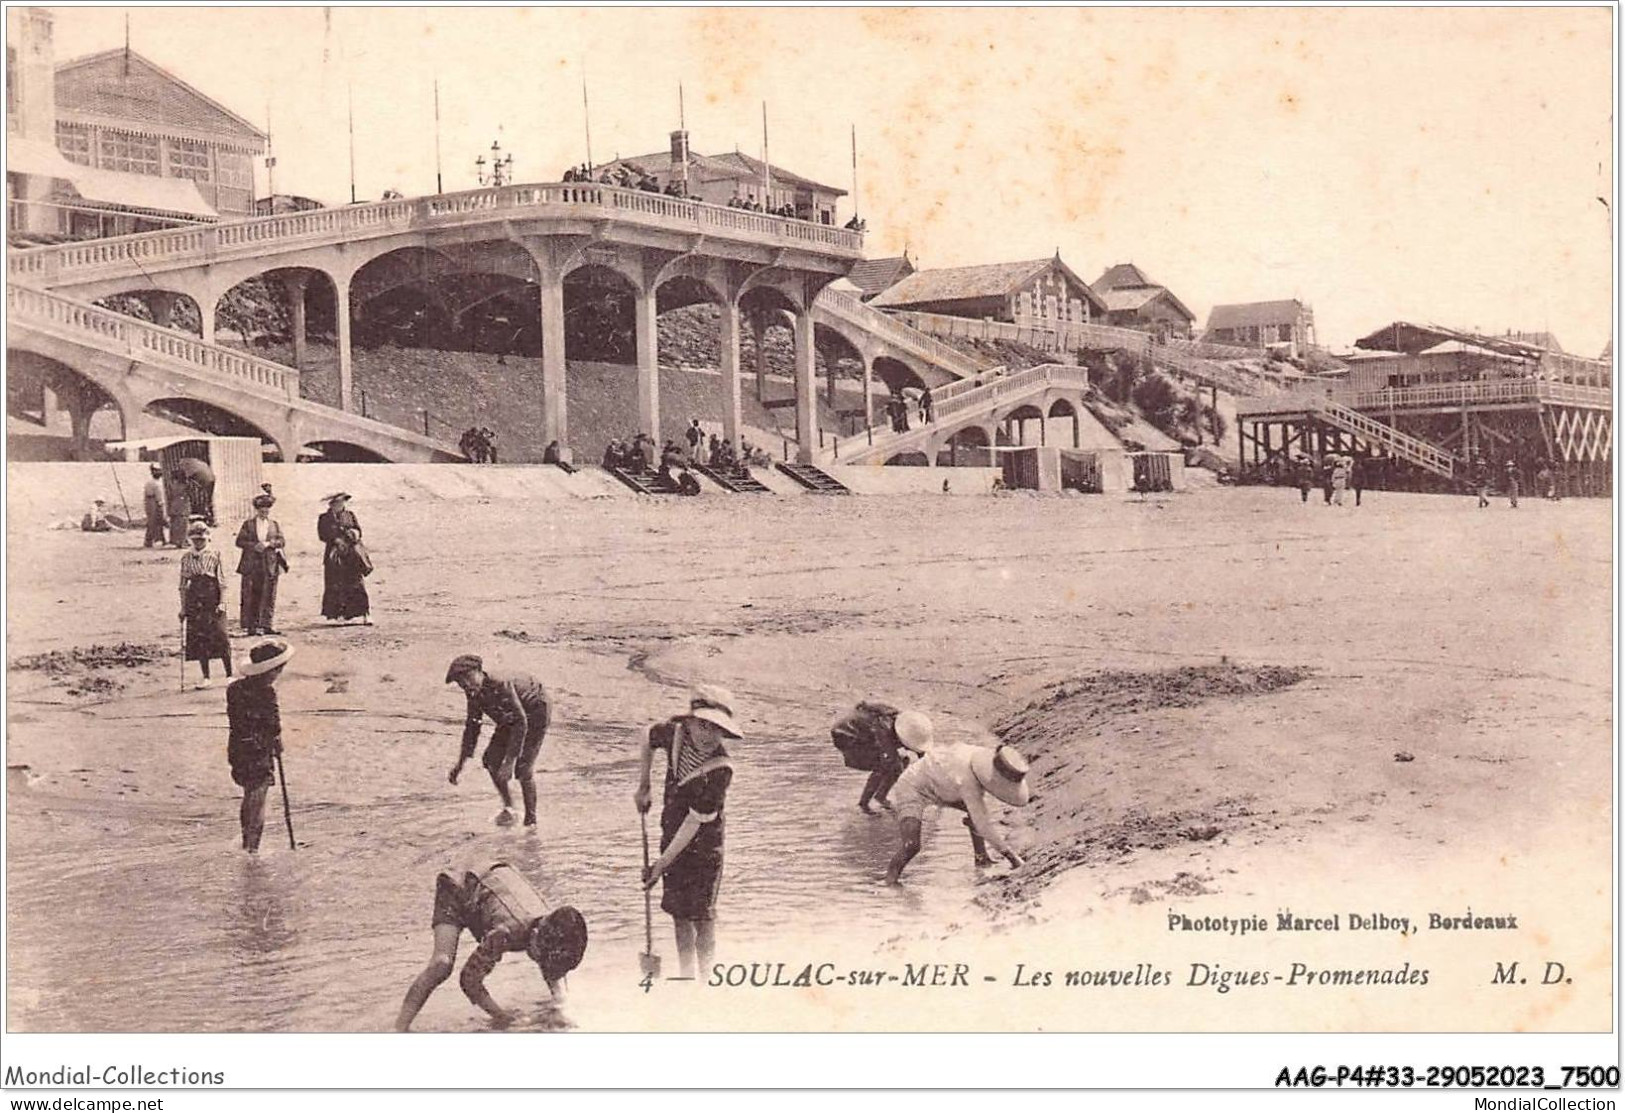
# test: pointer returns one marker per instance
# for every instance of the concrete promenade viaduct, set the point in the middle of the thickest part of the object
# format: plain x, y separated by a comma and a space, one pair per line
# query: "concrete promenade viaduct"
524, 242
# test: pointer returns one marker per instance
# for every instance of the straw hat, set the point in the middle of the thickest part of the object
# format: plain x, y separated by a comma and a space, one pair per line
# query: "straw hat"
198, 527
714, 705
1003, 772
266, 656
264, 502
336, 495
913, 730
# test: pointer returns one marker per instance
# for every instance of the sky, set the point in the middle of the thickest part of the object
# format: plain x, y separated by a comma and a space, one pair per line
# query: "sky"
1446, 165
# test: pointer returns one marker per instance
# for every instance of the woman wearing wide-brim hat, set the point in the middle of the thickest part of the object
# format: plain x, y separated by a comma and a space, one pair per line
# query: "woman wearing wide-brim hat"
345, 564
203, 589
962, 777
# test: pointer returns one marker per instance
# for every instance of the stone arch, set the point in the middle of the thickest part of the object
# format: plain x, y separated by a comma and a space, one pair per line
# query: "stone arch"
1016, 419
600, 325
967, 446
167, 308
38, 384
340, 452
259, 312
207, 418
1058, 411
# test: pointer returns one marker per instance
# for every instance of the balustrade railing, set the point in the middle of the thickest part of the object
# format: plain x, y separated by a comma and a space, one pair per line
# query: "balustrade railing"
904, 336
1433, 394
424, 212
138, 338
1001, 387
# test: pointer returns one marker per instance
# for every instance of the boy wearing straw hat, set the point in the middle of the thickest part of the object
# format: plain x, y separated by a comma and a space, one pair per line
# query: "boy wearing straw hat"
256, 733
506, 914
698, 773
959, 776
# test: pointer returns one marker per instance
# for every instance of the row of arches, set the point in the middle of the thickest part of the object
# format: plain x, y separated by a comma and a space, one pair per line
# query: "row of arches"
491, 299
1059, 422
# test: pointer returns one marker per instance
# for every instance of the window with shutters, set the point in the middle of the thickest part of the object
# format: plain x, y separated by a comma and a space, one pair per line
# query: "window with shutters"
189, 159
133, 154
74, 143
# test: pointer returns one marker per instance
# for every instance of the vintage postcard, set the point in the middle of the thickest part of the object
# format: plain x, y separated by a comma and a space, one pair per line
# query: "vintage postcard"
809, 520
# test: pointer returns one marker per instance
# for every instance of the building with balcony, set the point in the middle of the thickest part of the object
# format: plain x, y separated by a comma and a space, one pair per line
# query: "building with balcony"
729, 178
1263, 324
1133, 300
1033, 293
113, 143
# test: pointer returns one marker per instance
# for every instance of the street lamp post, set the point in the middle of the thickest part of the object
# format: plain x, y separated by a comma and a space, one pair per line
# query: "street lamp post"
500, 167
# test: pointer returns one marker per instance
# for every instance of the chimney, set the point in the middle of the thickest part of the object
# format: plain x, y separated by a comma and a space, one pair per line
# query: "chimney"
679, 157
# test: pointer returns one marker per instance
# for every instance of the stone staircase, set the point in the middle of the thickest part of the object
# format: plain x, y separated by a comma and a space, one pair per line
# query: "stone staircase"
999, 392
815, 479
739, 482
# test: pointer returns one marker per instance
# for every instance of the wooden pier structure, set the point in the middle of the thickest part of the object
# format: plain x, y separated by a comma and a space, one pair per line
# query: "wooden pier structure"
1440, 400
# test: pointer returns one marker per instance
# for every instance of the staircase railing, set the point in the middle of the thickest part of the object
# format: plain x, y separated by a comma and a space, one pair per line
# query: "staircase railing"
1415, 449
904, 336
353, 221
148, 343
1004, 388
138, 339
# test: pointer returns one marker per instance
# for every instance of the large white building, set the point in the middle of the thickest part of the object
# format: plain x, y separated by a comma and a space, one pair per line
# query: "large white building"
114, 143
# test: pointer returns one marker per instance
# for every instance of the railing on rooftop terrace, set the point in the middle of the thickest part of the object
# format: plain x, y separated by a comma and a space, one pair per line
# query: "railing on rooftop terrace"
356, 221
896, 332
139, 339
1491, 392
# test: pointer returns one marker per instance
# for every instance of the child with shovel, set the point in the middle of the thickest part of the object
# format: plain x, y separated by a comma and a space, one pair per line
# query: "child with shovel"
698, 772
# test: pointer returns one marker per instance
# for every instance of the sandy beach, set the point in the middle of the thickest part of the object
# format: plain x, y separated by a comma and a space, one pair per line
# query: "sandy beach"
1234, 704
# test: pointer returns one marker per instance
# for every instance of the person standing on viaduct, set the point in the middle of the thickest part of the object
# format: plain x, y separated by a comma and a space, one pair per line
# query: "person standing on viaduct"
345, 564
520, 708
260, 566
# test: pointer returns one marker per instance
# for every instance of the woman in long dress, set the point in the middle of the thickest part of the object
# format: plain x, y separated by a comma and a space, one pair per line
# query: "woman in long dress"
345, 565
203, 588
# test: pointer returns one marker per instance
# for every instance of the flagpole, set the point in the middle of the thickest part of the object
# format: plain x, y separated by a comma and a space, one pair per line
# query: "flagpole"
351, 95
854, 169
767, 167
438, 187
586, 117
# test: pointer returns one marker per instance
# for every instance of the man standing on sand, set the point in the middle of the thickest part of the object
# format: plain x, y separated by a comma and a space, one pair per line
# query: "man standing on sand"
880, 738
520, 708
959, 776
152, 498
1512, 483
694, 435
255, 739
506, 914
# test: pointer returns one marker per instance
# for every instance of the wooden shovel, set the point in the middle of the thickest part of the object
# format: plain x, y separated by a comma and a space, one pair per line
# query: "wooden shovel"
648, 961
